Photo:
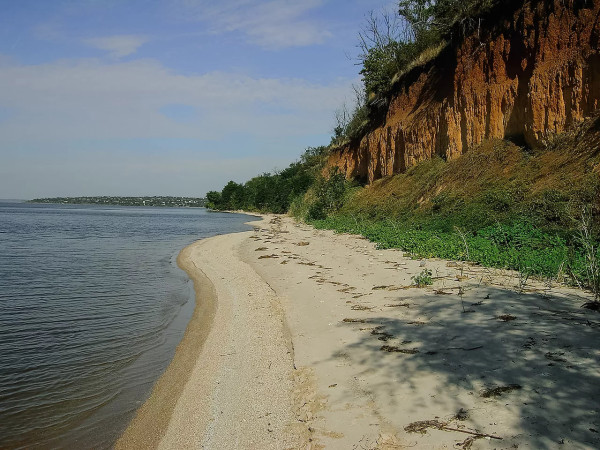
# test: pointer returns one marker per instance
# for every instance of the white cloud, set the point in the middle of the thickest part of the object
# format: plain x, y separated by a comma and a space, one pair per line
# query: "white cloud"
118, 46
273, 24
84, 126
88, 99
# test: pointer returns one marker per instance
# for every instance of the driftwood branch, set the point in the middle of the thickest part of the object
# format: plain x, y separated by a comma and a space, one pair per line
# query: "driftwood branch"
474, 433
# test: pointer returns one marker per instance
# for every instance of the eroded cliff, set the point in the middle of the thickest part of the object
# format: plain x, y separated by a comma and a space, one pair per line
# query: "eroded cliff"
533, 74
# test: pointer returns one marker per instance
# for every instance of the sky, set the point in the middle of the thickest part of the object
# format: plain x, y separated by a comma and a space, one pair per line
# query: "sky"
167, 97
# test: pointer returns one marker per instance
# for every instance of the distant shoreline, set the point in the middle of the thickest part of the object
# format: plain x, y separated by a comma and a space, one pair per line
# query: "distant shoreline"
143, 201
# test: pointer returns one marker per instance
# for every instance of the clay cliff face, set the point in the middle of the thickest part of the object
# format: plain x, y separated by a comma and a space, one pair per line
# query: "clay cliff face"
535, 74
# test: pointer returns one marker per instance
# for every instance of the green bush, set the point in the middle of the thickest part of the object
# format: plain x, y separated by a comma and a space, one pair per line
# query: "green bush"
329, 195
272, 193
423, 279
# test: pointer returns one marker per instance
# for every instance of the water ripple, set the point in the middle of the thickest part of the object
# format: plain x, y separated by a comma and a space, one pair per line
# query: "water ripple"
92, 307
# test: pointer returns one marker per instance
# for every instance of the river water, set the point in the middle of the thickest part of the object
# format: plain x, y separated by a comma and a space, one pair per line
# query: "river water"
92, 306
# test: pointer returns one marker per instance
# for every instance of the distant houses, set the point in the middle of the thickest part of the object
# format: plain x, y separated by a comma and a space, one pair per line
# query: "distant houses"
158, 201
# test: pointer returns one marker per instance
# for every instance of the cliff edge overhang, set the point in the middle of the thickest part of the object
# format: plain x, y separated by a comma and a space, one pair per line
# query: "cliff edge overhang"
533, 73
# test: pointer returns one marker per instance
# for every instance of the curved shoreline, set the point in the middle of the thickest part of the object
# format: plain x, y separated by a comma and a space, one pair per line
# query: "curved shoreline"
152, 419
318, 340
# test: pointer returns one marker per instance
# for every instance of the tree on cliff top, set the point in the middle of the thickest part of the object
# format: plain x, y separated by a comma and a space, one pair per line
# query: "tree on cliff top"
443, 17
391, 42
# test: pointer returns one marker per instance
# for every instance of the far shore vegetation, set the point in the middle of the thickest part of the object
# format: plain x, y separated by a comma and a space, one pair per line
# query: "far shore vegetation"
161, 201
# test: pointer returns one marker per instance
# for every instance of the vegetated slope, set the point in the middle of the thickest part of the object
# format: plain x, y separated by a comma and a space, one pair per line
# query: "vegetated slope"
499, 204
533, 73
492, 182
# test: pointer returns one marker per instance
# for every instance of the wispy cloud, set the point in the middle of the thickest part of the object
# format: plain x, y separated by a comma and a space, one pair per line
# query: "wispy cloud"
69, 99
273, 24
118, 46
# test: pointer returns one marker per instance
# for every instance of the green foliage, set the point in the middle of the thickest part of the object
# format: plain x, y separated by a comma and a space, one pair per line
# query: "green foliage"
213, 199
328, 195
423, 279
393, 44
518, 245
271, 192
380, 64
233, 195
461, 16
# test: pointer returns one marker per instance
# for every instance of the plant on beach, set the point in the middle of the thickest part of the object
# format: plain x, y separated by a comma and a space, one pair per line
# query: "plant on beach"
588, 242
423, 279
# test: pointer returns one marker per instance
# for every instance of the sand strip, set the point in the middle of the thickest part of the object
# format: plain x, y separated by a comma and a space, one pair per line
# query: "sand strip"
321, 340
152, 419
232, 388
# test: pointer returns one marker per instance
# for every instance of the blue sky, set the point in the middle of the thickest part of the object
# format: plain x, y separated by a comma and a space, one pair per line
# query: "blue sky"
169, 97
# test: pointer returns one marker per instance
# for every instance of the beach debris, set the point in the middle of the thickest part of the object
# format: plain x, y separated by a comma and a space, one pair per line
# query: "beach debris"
397, 305
333, 385
422, 426
382, 335
462, 414
361, 308
555, 356
594, 305
302, 243
467, 349
499, 390
529, 343
441, 292
506, 317
467, 443
347, 289
261, 249
268, 256
347, 320
394, 349
389, 288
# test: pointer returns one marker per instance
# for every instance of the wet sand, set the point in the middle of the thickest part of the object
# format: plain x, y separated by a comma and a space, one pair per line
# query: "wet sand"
320, 340
152, 419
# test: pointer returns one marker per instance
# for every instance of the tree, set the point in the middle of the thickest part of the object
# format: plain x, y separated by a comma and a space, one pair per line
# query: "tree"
232, 196
213, 200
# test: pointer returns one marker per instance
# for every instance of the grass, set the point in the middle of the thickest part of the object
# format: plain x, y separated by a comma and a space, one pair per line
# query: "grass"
519, 246
499, 205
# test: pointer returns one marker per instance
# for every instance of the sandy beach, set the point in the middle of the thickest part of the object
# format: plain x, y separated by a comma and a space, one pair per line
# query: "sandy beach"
303, 338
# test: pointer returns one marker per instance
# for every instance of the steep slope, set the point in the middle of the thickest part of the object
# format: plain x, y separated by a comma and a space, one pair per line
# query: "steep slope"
533, 74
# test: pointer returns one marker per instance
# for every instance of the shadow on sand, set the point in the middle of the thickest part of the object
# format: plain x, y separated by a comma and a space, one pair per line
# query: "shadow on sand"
517, 362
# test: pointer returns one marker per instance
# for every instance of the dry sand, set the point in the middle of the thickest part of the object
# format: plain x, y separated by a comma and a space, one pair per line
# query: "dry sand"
307, 339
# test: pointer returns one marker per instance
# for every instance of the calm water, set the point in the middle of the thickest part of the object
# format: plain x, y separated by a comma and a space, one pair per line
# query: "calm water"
92, 306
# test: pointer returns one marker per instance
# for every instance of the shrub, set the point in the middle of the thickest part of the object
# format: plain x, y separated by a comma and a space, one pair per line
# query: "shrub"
328, 195
423, 279
272, 192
